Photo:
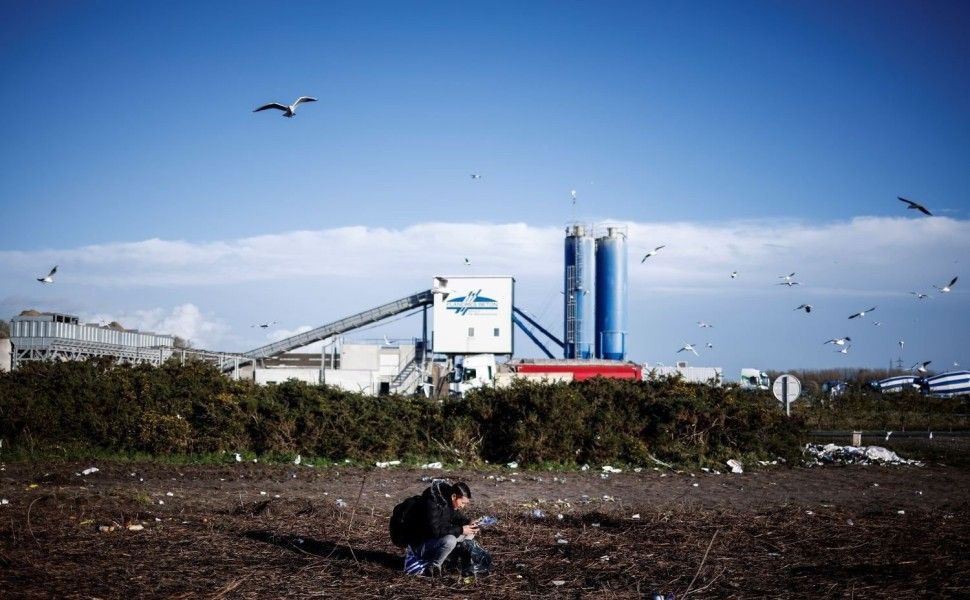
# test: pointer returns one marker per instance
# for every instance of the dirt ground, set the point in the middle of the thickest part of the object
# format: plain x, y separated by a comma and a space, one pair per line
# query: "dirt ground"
244, 530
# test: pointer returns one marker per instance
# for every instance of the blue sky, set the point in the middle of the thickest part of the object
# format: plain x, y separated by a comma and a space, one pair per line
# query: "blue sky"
131, 122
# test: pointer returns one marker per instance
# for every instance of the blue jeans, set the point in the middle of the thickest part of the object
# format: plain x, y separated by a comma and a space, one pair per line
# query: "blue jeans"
436, 550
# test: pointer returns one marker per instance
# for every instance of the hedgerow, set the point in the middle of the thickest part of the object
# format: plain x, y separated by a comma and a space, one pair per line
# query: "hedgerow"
193, 409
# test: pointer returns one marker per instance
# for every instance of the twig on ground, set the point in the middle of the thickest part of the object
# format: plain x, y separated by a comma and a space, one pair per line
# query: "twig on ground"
701, 566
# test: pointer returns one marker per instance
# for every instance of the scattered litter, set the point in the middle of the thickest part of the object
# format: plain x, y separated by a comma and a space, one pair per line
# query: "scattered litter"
595, 524
390, 463
611, 469
262, 493
276, 495
609, 499
238, 457
604, 475
584, 468
169, 494
851, 455
558, 582
387, 495
297, 460
562, 541
637, 469
900, 512
4, 501
161, 502
135, 527
254, 460
849, 522
432, 465
537, 513
808, 512
340, 503
105, 528
705, 469
157, 520
605, 558
736, 466
89, 470
636, 516
513, 465
696, 485
560, 517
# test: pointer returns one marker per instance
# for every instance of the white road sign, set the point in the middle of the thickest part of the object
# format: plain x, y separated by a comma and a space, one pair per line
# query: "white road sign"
787, 389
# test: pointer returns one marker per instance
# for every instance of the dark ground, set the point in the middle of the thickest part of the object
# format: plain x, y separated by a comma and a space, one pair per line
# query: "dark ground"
832, 532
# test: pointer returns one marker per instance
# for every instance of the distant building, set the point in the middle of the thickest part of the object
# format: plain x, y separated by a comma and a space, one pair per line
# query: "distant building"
56, 336
365, 368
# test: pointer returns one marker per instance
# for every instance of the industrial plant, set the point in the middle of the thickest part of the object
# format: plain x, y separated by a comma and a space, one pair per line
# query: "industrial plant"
468, 343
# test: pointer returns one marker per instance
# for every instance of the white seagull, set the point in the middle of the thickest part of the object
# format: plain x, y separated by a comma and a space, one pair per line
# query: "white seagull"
844, 349
573, 194
652, 252
946, 288
688, 348
710, 345
734, 274
468, 263
877, 323
288, 111
788, 277
838, 341
920, 295
49, 278
476, 176
920, 367
806, 307
263, 325
862, 313
704, 325
901, 344
789, 283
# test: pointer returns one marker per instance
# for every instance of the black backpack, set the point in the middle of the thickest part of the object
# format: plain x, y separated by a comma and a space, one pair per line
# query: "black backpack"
399, 527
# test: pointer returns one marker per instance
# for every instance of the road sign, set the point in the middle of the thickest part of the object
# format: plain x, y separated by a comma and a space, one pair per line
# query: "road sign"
787, 389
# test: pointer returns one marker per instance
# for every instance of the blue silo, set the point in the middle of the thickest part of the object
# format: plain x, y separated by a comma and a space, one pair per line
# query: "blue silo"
579, 304
611, 294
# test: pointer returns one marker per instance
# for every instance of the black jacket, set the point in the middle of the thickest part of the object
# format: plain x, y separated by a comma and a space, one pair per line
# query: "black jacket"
434, 516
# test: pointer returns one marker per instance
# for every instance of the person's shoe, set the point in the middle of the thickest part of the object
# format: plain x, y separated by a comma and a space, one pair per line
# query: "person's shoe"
433, 571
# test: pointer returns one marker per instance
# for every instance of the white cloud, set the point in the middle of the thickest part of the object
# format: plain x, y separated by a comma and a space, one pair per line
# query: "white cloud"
185, 321
889, 254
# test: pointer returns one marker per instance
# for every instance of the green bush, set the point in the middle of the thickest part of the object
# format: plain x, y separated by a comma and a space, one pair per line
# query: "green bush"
192, 408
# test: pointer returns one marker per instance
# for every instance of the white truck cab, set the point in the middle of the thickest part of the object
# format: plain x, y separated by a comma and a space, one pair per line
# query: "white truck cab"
472, 371
753, 379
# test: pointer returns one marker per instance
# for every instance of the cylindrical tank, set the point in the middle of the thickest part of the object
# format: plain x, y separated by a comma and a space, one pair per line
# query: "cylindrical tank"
579, 303
611, 294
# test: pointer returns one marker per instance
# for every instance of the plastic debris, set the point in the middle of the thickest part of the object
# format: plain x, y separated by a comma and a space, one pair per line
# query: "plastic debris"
297, 460
696, 485
611, 469
262, 493
537, 513
900, 512
852, 455
605, 558
4, 501
513, 465
340, 503
604, 475
432, 465
89, 470
558, 582
105, 528
135, 527
636, 516
389, 463
609, 499
161, 502
169, 494
584, 468
736, 466
238, 457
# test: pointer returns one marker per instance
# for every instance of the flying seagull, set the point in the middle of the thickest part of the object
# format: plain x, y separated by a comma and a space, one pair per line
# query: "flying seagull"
468, 263
704, 325
264, 325
573, 193
789, 283
862, 313
901, 344
651, 253
920, 367
915, 206
839, 341
806, 307
788, 277
288, 111
710, 345
877, 323
946, 288
476, 176
688, 348
50, 276
844, 349
920, 295
734, 274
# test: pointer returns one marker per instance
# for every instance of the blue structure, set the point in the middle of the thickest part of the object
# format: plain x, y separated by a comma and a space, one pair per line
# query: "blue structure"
579, 291
611, 294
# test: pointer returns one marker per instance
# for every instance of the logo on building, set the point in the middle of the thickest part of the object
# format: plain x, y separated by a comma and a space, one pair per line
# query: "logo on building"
471, 302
